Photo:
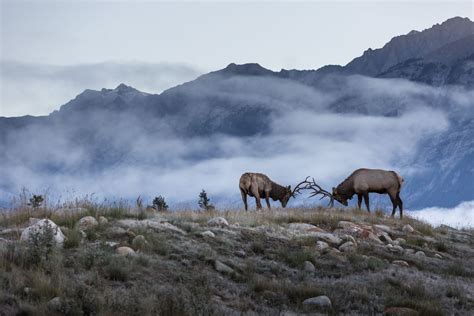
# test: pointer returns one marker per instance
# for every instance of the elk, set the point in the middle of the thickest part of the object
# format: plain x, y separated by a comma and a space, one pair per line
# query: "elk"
260, 186
364, 181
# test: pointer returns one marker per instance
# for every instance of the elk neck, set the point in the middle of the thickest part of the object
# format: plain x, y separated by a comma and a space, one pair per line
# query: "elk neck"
346, 188
278, 191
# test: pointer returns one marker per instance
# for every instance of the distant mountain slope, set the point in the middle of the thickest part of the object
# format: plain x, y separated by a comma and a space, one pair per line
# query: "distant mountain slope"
413, 45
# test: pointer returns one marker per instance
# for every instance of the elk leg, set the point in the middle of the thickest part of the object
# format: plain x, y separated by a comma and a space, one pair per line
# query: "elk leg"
244, 198
267, 199
400, 204
366, 199
394, 203
359, 200
256, 194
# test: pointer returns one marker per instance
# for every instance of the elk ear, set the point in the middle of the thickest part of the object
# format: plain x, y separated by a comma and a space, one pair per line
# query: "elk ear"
289, 187
333, 190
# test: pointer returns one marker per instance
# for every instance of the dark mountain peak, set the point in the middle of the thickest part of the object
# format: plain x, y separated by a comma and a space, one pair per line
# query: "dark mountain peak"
250, 69
415, 44
123, 88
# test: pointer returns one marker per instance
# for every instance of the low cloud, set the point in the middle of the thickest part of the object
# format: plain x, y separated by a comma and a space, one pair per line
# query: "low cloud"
38, 89
461, 216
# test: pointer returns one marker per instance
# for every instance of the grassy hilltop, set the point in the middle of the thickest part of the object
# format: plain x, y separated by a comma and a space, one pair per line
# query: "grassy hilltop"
128, 261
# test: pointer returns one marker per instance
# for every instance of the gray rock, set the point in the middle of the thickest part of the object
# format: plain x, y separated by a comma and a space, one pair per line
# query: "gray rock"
420, 254
383, 228
328, 237
437, 255
86, 223
208, 233
395, 249
321, 245
319, 302
103, 220
383, 236
347, 247
223, 268
308, 266
401, 241
301, 226
408, 229
218, 221
125, 251
115, 232
55, 304
400, 263
40, 228
240, 253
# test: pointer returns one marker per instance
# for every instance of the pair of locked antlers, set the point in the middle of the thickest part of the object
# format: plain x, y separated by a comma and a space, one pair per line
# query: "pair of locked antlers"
315, 188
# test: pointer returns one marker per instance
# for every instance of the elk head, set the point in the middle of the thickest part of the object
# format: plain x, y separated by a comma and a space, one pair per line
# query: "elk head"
288, 194
341, 198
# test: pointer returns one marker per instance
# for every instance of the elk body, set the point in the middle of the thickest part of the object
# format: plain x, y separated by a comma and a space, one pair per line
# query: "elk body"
260, 186
364, 181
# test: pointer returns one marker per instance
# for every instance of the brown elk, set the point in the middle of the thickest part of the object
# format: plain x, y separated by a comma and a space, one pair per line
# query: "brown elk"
364, 181
260, 186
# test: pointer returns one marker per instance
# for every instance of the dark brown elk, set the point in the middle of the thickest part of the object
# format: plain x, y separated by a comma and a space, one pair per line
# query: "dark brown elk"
260, 186
365, 181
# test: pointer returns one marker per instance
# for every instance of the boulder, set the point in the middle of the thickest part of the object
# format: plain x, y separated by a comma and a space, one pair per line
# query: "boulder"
420, 254
400, 263
328, 237
349, 227
240, 253
383, 228
401, 241
383, 236
103, 220
408, 229
40, 228
115, 232
308, 266
55, 304
87, 222
321, 245
395, 249
348, 247
208, 233
222, 267
218, 221
318, 302
437, 255
125, 251
301, 226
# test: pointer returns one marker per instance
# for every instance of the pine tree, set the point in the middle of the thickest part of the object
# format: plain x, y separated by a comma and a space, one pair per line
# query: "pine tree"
204, 201
159, 203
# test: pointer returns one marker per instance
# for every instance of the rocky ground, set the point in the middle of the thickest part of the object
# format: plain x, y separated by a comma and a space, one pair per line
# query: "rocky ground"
120, 261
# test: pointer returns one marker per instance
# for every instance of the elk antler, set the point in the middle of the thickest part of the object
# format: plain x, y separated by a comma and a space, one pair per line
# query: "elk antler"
299, 187
318, 190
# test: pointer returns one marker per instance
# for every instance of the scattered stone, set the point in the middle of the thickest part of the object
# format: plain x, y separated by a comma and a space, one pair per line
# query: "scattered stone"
383, 228
223, 268
409, 251
155, 224
437, 255
111, 244
400, 263
420, 254
395, 249
308, 266
55, 304
240, 253
408, 229
366, 234
319, 302
86, 223
103, 220
321, 245
301, 226
115, 232
125, 251
349, 238
328, 237
400, 311
40, 228
349, 227
348, 247
208, 233
218, 221
139, 242
401, 241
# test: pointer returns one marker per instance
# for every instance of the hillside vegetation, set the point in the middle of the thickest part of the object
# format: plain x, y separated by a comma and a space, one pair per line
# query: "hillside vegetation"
117, 260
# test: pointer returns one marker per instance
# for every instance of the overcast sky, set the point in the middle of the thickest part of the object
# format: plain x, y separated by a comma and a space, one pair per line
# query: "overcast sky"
196, 35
